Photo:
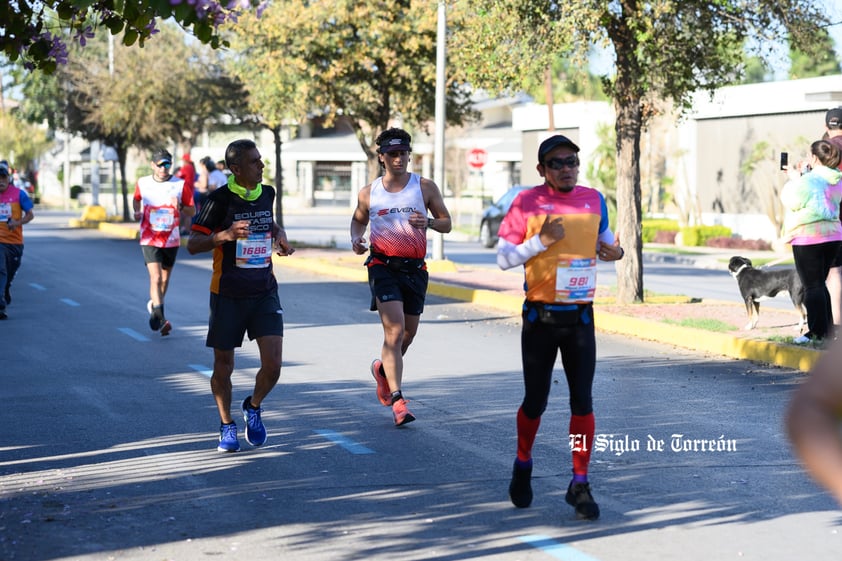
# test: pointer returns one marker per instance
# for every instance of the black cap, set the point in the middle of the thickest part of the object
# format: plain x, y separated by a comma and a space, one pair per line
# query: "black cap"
161, 155
4, 169
394, 144
552, 143
833, 118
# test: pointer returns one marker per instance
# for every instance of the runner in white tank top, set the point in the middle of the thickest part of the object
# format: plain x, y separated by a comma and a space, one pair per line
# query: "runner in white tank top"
389, 213
395, 206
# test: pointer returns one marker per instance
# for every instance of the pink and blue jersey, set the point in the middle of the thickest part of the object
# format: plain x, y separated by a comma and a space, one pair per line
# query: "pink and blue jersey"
14, 203
566, 271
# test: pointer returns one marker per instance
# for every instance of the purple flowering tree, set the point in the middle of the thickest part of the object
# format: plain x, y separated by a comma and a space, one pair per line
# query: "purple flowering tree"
37, 32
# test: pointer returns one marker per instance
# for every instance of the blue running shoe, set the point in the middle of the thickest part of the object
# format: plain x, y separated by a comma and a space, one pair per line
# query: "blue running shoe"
228, 438
255, 431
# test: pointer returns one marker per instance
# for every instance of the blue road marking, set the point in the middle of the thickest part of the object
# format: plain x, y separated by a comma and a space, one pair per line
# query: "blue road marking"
70, 302
37, 286
202, 369
556, 549
133, 334
344, 442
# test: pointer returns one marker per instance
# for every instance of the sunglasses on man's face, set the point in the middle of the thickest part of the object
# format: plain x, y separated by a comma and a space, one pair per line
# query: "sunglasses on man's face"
165, 164
561, 163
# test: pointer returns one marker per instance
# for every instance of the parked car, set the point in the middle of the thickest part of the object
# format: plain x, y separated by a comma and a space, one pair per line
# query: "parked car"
493, 215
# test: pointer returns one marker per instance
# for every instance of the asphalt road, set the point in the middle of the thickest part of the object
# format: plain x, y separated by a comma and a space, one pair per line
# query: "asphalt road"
109, 447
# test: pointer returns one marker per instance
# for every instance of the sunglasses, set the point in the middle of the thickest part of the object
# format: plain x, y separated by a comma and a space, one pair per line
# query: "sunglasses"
165, 164
561, 163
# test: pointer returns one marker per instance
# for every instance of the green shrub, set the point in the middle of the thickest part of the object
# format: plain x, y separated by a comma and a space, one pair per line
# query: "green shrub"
695, 236
650, 228
74, 191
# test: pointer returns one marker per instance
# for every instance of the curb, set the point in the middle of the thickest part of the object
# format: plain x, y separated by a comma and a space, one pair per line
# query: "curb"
119, 230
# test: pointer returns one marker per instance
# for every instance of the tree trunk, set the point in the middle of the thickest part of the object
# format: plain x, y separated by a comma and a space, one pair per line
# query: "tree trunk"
279, 177
630, 268
124, 189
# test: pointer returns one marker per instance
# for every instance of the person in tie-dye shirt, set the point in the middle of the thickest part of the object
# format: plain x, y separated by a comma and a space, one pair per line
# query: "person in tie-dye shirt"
811, 199
556, 231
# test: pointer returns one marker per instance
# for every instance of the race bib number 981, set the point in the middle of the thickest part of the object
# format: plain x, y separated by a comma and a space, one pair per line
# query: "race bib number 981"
575, 280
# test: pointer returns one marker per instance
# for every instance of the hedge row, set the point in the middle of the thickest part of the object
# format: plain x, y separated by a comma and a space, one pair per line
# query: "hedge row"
665, 231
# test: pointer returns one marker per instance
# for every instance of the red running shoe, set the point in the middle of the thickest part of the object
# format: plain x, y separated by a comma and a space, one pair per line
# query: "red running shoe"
401, 413
166, 328
384, 394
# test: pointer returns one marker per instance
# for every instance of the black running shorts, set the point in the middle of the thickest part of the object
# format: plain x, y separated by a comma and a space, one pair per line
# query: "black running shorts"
163, 255
232, 318
388, 285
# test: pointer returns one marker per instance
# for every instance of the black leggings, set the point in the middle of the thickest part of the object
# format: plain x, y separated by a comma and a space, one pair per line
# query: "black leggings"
540, 344
813, 262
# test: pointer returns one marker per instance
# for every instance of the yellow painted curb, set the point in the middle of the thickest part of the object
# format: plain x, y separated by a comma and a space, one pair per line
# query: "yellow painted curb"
321, 266
441, 266
120, 230
717, 343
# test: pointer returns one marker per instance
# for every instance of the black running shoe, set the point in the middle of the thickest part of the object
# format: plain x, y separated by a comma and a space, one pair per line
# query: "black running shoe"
155, 319
520, 489
579, 497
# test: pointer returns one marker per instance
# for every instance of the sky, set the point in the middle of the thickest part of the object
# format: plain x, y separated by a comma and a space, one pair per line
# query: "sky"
601, 62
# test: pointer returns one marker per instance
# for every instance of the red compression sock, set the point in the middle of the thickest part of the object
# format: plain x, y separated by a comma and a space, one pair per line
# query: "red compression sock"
582, 428
526, 430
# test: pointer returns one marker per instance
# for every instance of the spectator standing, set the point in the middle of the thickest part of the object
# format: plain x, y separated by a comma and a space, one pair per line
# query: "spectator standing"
238, 225
220, 165
159, 201
15, 211
556, 231
395, 206
811, 199
833, 129
210, 179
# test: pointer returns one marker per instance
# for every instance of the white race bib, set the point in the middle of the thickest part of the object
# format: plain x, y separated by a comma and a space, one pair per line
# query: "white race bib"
255, 251
161, 219
575, 279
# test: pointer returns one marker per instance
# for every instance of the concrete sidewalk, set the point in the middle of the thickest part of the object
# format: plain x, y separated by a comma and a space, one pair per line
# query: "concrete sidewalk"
504, 291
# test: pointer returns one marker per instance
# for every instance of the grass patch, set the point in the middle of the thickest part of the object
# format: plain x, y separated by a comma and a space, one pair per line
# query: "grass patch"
608, 295
762, 262
670, 250
817, 344
704, 324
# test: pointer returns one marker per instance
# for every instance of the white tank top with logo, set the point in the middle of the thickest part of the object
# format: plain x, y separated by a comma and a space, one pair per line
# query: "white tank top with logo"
391, 233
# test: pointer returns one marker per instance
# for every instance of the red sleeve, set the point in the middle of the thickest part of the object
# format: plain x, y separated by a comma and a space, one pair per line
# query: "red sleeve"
137, 196
187, 195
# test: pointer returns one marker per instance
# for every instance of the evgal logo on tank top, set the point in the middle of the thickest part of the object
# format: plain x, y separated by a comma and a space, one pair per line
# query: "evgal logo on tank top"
385, 211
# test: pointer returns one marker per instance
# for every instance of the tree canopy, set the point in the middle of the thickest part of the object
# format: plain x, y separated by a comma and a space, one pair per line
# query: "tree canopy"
138, 101
665, 49
38, 31
368, 63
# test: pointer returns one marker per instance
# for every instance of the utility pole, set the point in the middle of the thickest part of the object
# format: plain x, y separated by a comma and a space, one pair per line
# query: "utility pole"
441, 118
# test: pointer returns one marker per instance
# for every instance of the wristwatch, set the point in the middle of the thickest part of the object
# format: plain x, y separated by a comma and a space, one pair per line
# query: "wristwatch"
430, 222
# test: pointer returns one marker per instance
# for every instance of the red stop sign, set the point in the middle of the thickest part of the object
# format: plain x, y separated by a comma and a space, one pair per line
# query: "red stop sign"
477, 158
